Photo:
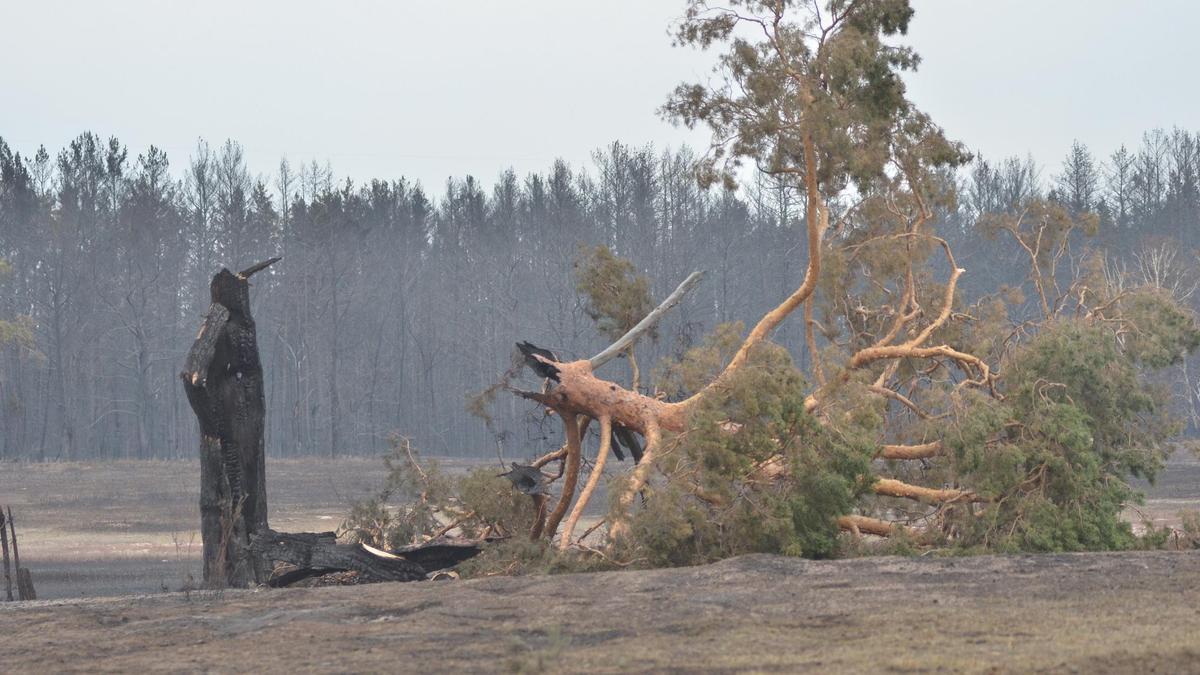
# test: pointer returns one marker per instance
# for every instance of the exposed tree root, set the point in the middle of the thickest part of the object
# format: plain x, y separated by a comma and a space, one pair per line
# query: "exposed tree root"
619, 526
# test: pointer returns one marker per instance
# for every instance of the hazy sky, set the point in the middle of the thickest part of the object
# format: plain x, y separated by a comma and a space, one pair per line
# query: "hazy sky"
430, 89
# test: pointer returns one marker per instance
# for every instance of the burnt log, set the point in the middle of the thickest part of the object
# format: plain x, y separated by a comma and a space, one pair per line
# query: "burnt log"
443, 553
283, 559
223, 378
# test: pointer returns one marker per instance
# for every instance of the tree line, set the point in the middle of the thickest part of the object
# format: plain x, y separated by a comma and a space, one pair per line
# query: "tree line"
392, 304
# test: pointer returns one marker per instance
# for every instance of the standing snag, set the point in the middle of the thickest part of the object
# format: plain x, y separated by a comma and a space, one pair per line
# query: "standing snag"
224, 382
223, 379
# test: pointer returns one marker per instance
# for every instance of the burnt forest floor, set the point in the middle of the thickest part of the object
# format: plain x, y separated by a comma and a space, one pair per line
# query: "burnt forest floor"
1087, 613
127, 529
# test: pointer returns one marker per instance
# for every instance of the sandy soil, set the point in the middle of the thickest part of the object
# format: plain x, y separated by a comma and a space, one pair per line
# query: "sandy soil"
1087, 613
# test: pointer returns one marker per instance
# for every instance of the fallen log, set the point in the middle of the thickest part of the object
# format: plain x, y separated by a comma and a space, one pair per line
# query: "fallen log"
289, 558
283, 558
443, 552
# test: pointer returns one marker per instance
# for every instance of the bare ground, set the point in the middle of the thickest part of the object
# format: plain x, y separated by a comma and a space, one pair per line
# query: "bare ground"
126, 527
1088, 613
90, 529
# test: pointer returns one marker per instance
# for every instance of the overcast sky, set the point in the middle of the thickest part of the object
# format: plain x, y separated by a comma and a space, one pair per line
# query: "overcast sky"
432, 89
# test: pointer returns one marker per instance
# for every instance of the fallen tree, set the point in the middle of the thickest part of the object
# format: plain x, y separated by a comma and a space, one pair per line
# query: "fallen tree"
903, 378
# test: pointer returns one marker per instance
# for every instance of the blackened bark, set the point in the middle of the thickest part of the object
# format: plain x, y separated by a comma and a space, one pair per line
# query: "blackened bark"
223, 378
285, 558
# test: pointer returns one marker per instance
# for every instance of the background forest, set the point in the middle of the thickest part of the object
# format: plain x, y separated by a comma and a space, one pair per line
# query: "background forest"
394, 302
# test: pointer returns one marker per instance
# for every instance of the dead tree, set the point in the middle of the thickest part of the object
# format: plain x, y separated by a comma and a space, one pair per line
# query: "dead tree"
223, 378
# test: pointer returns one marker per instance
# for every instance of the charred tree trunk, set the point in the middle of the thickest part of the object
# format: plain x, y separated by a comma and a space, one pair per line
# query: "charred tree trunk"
223, 378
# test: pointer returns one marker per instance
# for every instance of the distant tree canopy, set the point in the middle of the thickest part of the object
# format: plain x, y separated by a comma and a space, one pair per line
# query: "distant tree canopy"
111, 249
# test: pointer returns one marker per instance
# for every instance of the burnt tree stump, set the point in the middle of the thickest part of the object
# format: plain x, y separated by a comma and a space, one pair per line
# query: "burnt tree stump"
223, 378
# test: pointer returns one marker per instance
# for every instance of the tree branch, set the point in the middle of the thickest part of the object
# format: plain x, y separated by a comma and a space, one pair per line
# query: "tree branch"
647, 323
860, 524
890, 487
921, 451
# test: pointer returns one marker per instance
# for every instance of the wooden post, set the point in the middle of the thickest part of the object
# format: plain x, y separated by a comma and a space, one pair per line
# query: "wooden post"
4, 546
24, 577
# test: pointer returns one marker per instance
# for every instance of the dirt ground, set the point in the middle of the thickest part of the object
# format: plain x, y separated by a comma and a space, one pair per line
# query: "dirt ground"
111, 528
125, 528
1086, 613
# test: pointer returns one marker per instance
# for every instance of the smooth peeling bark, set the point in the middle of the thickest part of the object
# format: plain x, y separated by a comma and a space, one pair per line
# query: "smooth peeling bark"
919, 451
571, 476
889, 487
590, 487
579, 392
864, 525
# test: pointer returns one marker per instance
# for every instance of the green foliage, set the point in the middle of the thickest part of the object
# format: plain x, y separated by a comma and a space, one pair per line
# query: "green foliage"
805, 75
718, 499
701, 363
1041, 226
617, 296
495, 505
20, 330
1159, 331
519, 556
17, 332
1078, 420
